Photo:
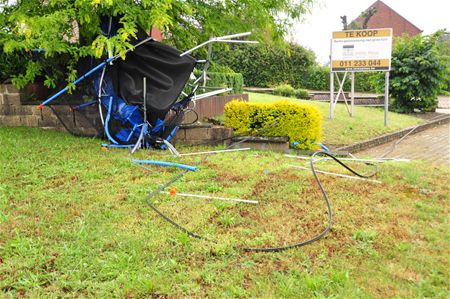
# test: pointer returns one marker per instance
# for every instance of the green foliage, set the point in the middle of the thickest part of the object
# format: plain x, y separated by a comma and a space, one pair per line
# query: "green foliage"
318, 78
301, 94
265, 66
417, 73
232, 80
9, 64
284, 90
299, 122
444, 52
366, 81
73, 27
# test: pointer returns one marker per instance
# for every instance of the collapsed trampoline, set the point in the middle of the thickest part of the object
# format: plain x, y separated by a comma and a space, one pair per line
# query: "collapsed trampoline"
143, 99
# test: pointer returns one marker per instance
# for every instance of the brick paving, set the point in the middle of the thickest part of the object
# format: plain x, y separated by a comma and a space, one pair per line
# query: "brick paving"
432, 145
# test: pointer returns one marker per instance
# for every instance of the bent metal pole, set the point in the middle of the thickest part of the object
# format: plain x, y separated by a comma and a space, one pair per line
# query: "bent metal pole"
87, 74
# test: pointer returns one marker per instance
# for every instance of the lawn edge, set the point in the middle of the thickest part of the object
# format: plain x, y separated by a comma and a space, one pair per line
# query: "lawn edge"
385, 138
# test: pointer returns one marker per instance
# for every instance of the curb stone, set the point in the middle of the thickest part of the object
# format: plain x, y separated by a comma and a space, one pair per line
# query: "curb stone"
363, 145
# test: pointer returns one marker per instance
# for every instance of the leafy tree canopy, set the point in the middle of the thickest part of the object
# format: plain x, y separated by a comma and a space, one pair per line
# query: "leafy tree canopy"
71, 28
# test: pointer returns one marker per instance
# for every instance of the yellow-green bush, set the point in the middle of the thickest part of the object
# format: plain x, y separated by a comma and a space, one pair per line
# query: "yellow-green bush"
299, 122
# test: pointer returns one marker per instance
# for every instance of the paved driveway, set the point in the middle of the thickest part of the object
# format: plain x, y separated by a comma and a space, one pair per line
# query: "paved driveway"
431, 145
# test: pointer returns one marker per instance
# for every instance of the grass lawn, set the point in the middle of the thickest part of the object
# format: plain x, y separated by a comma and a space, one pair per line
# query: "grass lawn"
368, 122
73, 224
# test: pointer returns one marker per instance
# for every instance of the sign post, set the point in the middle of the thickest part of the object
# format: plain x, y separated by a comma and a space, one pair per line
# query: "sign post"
386, 98
359, 51
352, 94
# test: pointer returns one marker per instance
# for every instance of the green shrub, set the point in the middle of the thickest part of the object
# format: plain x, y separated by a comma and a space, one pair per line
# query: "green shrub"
318, 78
266, 66
232, 80
301, 94
417, 73
300, 122
366, 81
444, 53
284, 90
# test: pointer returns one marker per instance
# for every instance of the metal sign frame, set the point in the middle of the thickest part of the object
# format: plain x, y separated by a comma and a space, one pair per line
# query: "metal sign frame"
361, 60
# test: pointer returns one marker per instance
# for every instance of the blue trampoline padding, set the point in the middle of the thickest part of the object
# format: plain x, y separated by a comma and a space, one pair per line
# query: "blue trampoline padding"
162, 163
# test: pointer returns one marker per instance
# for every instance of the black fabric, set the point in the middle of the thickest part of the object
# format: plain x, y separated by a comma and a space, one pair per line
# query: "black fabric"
166, 73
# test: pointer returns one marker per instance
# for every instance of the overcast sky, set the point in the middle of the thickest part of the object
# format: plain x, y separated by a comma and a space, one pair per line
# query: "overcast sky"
315, 31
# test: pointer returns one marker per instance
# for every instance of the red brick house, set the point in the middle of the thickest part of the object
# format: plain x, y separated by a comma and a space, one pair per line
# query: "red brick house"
382, 16
156, 34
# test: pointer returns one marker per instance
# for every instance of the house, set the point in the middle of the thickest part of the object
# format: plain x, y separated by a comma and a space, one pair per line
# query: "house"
380, 15
156, 34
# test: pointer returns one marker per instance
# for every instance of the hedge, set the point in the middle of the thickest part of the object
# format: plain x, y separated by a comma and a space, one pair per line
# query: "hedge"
267, 66
300, 122
232, 80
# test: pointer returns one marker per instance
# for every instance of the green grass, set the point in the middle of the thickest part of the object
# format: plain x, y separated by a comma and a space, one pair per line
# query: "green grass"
368, 122
73, 223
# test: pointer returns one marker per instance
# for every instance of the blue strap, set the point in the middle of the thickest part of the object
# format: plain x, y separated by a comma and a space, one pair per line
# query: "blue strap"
162, 163
324, 147
108, 117
117, 145
85, 105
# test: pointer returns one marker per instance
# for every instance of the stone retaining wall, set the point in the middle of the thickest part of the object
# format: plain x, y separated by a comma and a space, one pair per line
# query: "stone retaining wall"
203, 134
14, 113
359, 100
263, 143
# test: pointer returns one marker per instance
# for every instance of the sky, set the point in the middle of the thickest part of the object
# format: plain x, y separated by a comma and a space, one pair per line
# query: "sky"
315, 30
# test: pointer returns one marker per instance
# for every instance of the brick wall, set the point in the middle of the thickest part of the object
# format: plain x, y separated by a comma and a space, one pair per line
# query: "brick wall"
14, 113
203, 134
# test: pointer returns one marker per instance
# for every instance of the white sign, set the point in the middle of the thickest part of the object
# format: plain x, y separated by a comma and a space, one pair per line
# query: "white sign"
361, 50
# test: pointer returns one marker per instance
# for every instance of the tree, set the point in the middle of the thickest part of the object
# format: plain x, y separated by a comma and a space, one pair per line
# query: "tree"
70, 29
444, 52
365, 16
417, 73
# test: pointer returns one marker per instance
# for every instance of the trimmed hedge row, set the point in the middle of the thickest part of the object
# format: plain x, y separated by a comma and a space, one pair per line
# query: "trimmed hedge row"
300, 122
232, 80
265, 66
